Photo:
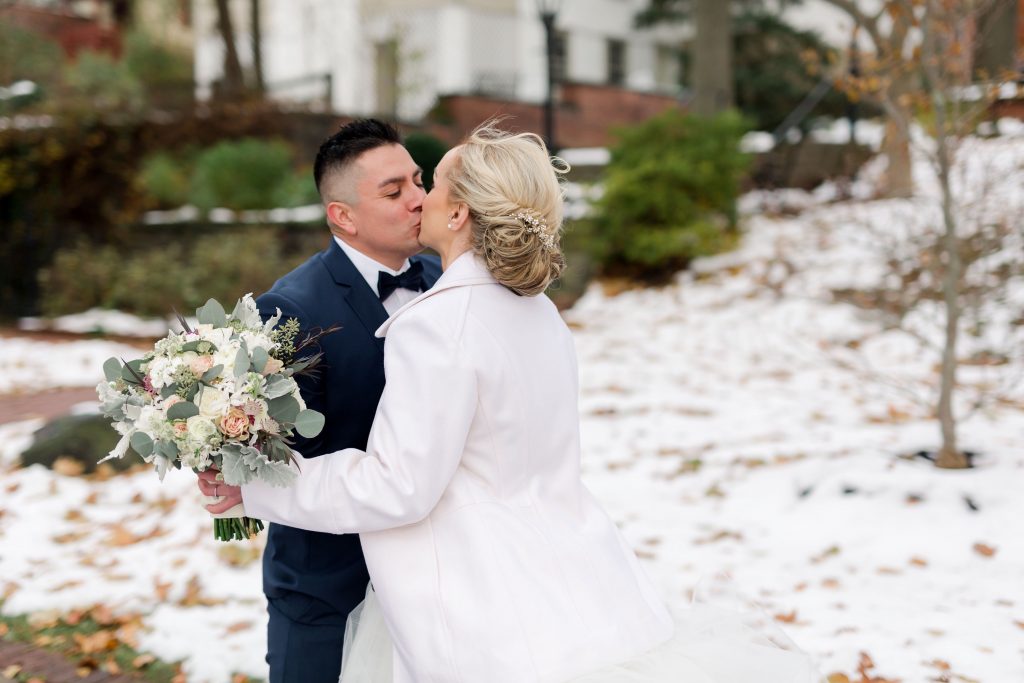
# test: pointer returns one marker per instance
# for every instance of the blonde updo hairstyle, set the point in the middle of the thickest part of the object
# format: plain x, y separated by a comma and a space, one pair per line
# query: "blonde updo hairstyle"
510, 184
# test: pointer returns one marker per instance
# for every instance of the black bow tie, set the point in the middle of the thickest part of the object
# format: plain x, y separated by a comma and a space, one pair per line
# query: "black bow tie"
412, 279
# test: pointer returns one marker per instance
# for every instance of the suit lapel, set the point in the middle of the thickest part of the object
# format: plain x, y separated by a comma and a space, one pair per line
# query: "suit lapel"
360, 298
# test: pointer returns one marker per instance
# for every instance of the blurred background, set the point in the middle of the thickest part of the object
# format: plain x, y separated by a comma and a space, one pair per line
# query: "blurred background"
796, 265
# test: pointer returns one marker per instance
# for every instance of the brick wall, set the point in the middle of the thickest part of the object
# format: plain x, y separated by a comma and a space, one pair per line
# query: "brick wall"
74, 34
585, 116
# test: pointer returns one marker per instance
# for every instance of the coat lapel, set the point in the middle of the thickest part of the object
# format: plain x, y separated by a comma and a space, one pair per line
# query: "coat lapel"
465, 271
360, 298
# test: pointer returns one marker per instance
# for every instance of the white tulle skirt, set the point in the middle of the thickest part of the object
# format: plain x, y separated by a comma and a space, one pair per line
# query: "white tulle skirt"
720, 640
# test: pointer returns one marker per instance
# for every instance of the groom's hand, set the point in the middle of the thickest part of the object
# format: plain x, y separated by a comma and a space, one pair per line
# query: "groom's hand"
230, 496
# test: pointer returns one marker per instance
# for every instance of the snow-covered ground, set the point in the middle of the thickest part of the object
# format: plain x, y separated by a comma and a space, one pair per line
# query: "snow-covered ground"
735, 421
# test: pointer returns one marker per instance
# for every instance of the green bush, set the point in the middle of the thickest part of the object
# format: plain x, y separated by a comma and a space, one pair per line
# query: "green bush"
669, 194
99, 83
243, 174
427, 151
25, 55
165, 180
152, 282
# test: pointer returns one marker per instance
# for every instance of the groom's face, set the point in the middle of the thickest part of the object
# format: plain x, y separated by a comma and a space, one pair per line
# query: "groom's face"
387, 204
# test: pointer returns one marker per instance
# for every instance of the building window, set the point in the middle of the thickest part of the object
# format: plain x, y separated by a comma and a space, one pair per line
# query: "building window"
668, 72
560, 56
616, 62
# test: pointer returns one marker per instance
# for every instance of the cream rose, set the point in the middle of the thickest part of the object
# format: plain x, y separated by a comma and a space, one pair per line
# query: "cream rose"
200, 430
213, 403
200, 364
234, 424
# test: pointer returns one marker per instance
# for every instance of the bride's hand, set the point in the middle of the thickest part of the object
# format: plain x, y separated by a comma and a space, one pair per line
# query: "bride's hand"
230, 496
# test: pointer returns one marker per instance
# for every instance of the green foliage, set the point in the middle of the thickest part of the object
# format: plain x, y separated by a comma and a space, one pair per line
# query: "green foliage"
25, 55
99, 83
155, 64
670, 193
775, 66
153, 281
427, 151
165, 180
243, 174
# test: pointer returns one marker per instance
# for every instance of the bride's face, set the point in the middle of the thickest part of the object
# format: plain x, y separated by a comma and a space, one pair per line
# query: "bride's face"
437, 206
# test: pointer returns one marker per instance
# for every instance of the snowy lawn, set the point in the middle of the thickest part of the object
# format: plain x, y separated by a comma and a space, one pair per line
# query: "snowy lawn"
735, 421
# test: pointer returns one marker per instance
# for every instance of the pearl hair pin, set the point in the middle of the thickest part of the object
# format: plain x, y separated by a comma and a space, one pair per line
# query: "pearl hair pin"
537, 226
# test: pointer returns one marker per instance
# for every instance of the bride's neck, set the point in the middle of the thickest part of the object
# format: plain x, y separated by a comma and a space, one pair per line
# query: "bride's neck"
454, 250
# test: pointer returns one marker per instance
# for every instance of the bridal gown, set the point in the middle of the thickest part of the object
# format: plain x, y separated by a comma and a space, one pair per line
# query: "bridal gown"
490, 560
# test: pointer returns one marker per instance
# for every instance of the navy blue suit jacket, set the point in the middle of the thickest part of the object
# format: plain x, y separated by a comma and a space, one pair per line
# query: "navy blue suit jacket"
314, 577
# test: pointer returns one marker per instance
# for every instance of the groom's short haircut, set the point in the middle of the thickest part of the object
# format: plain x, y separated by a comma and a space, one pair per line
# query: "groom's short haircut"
338, 152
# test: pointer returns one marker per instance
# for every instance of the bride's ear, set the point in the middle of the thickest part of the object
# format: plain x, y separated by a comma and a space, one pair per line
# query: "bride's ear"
458, 216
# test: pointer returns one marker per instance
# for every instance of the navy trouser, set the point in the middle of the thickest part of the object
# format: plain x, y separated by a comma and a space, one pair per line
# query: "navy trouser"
303, 652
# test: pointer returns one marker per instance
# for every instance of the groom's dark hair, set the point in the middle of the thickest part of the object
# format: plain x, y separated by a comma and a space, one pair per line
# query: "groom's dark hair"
351, 140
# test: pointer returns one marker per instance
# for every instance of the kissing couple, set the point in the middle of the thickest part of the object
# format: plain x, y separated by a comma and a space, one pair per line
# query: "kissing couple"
439, 530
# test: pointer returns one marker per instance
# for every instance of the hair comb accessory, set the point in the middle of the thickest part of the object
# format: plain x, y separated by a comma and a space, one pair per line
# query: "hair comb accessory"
537, 226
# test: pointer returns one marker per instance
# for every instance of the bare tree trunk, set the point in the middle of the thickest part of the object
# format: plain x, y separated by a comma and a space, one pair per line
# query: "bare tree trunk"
233, 83
949, 454
712, 57
256, 19
899, 175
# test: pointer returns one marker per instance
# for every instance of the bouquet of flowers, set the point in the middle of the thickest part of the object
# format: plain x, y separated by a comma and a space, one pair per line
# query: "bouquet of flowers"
222, 395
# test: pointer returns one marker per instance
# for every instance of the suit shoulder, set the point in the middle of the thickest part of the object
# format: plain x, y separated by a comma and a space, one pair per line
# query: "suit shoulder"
298, 286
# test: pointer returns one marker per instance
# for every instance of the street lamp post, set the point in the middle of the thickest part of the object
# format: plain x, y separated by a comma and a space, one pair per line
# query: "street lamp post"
548, 10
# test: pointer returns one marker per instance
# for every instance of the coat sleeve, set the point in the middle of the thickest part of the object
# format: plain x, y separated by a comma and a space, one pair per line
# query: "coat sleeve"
416, 443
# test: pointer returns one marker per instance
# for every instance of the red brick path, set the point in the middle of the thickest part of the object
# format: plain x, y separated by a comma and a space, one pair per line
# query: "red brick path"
49, 666
47, 405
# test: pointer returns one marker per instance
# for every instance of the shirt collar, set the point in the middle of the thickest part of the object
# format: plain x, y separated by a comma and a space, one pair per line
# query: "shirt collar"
368, 267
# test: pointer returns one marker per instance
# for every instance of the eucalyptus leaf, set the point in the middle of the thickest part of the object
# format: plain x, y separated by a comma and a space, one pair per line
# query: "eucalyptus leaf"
169, 390
212, 374
241, 362
112, 369
309, 423
194, 345
182, 410
212, 313
142, 444
279, 386
167, 449
259, 359
190, 395
283, 409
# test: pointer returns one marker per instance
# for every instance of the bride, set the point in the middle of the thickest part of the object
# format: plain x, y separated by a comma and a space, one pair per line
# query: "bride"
489, 559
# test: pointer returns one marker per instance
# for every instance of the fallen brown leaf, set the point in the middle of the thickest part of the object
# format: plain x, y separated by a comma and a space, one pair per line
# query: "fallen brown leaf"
789, 618
1020, 624
4, 629
238, 626
101, 641
12, 488
984, 550
92, 498
111, 667
74, 516
838, 678
70, 537
143, 661
11, 672
919, 562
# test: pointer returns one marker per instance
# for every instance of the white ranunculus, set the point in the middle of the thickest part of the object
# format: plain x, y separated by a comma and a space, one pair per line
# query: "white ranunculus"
213, 402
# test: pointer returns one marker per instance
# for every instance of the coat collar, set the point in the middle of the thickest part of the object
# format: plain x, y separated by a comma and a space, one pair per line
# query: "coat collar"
467, 270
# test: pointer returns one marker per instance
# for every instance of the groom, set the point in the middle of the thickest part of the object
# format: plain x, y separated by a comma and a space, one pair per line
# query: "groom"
372, 193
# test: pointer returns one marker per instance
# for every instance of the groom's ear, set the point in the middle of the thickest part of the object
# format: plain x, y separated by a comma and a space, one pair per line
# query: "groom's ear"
339, 217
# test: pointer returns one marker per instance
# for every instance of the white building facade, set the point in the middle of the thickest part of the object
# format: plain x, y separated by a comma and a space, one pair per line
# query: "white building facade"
396, 57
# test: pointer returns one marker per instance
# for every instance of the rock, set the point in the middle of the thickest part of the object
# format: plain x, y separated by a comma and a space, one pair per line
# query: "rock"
83, 439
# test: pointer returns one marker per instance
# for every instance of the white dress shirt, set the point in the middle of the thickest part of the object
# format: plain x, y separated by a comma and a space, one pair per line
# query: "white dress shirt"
369, 268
